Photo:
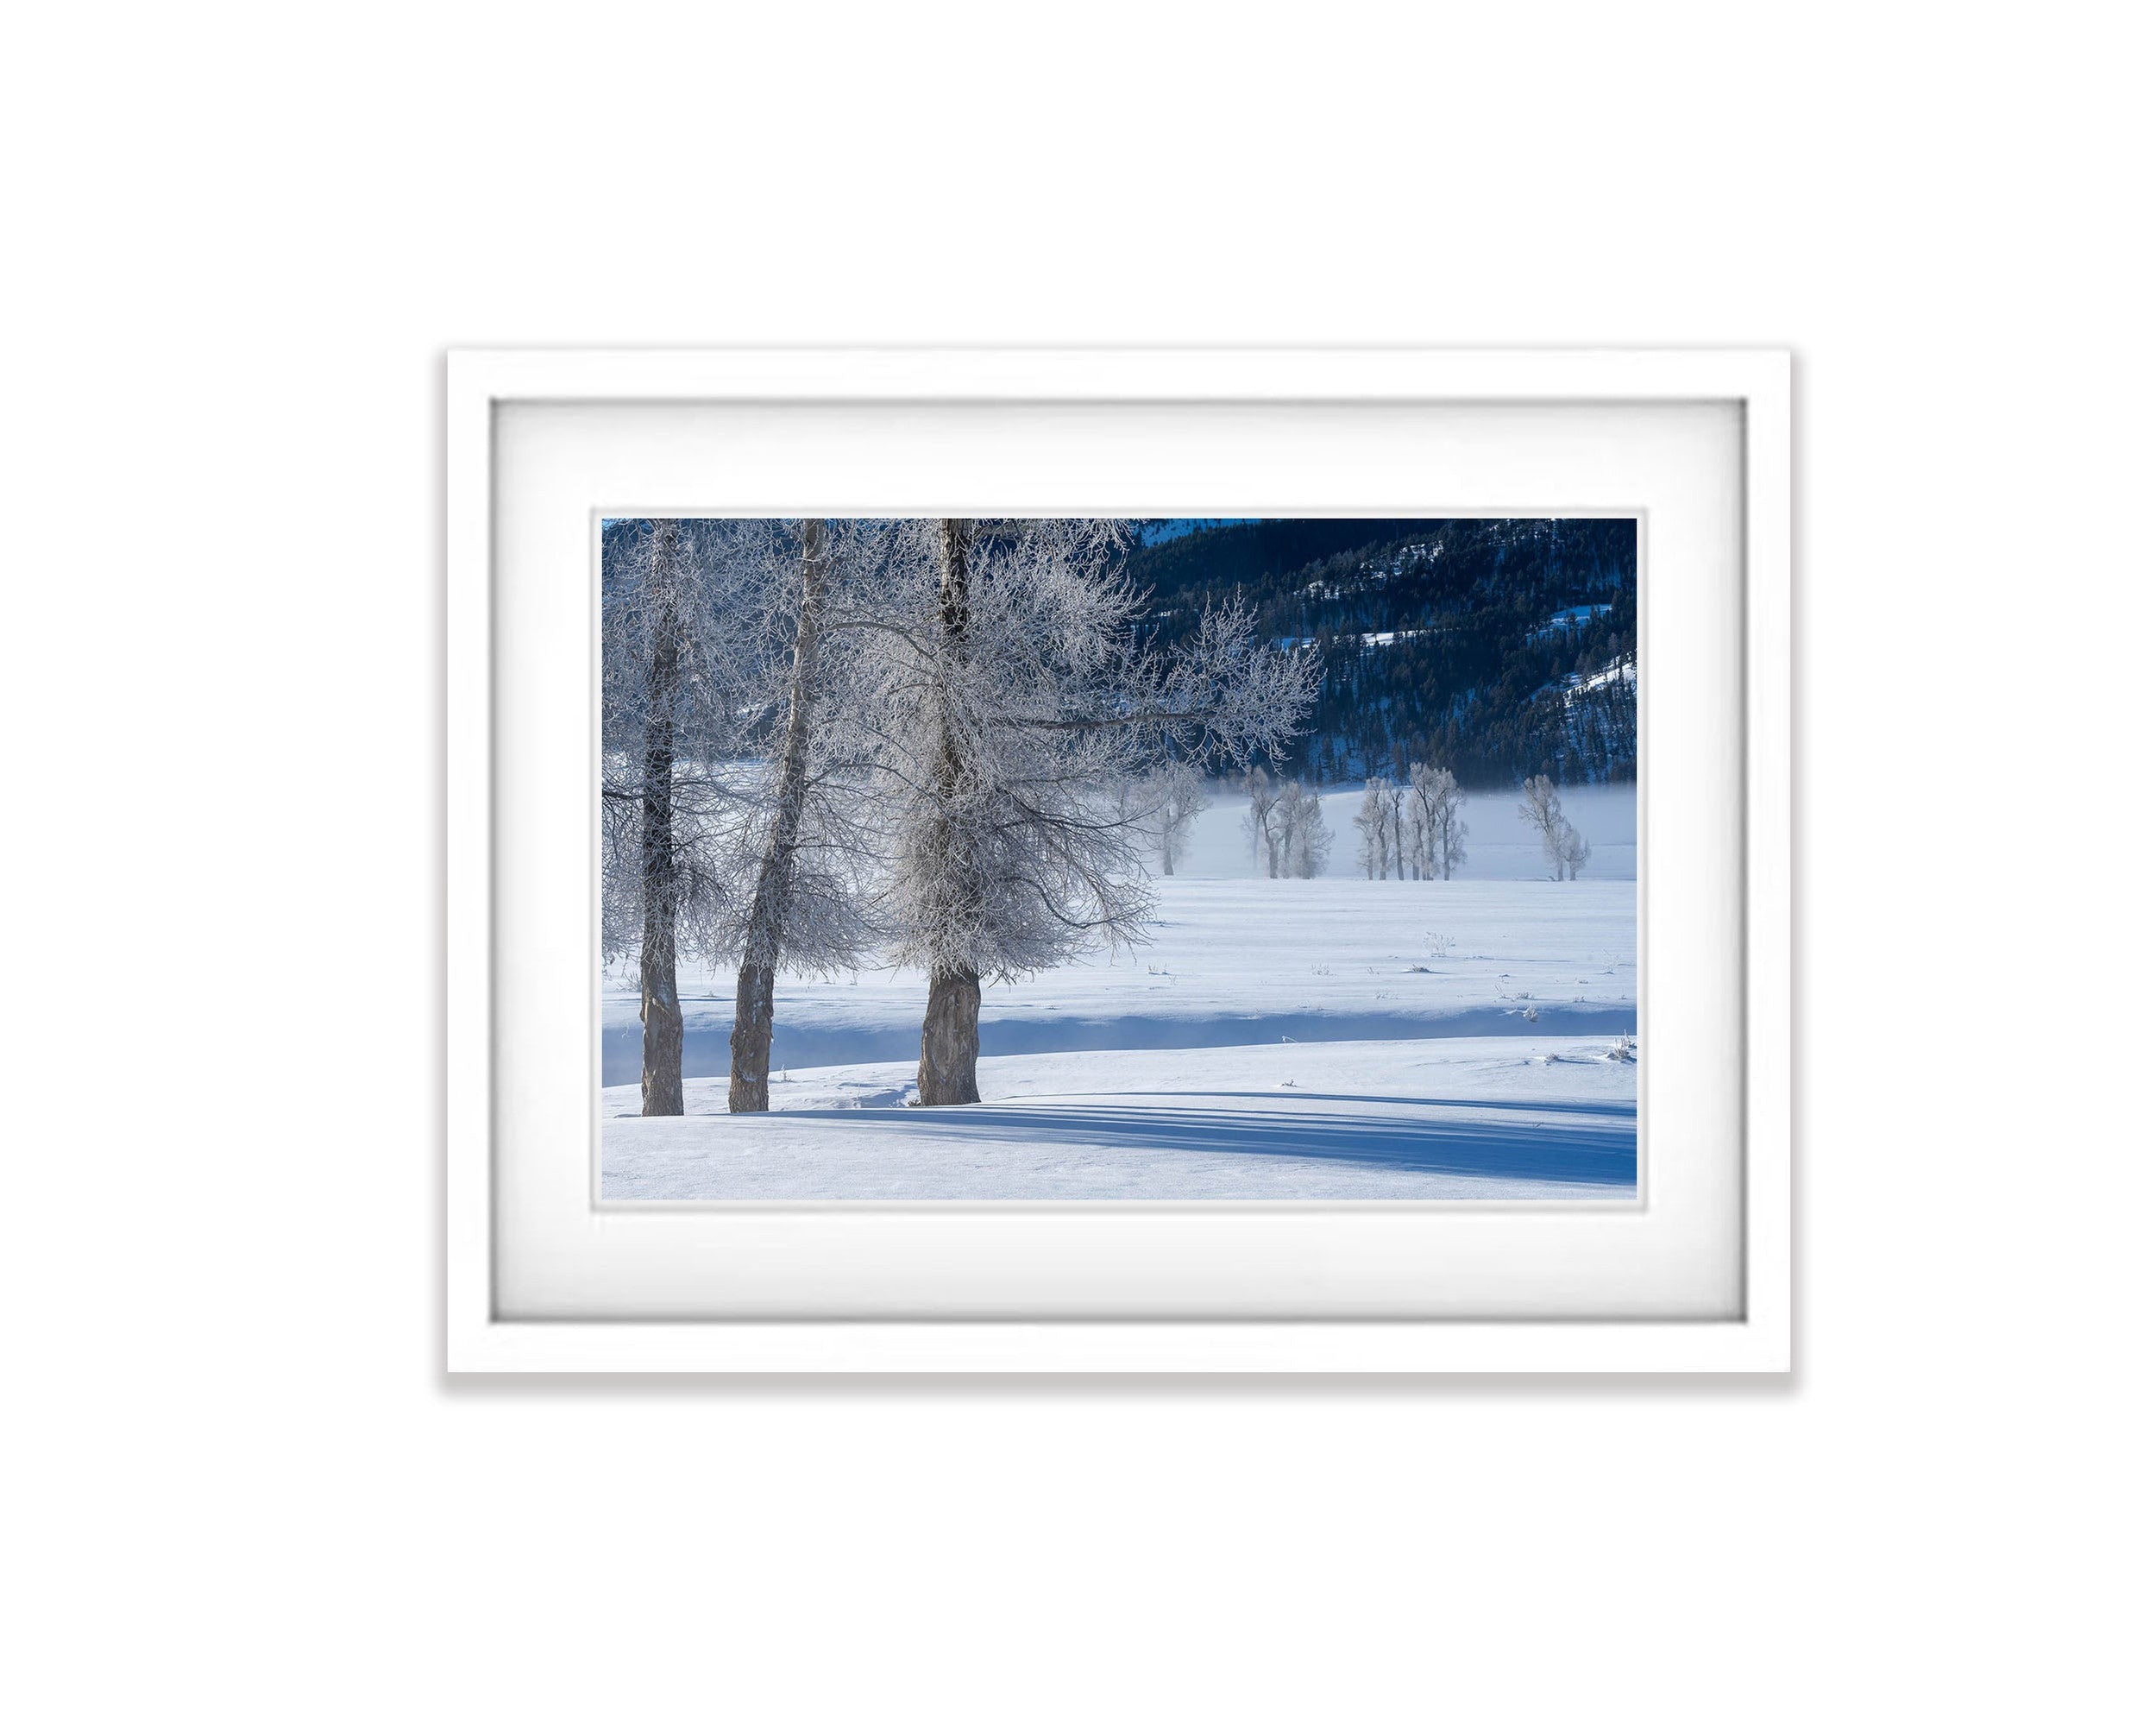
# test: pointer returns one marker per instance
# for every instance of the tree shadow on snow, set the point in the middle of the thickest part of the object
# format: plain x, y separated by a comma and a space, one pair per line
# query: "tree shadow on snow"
1627, 1111
1591, 1144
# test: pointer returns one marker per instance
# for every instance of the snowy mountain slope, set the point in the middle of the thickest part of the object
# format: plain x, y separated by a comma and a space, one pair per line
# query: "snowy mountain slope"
1573, 617
1441, 641
1581, 682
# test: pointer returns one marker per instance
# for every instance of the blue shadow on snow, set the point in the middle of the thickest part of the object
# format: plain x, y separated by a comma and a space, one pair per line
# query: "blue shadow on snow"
706, 1052
1588, 1144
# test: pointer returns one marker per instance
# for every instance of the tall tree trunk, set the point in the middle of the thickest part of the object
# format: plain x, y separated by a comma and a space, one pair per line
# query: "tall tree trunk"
951, 1039
661, 1010
951, 1030
749, 1089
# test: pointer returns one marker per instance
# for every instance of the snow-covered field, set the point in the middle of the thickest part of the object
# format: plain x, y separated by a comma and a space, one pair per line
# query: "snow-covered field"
1331, 1038
1471, 1117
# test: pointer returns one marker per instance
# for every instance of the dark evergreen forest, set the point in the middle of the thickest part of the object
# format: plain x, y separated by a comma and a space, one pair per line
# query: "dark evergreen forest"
1496, 648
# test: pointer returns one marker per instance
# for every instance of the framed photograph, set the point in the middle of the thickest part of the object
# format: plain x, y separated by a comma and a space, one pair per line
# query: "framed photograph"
1119, 861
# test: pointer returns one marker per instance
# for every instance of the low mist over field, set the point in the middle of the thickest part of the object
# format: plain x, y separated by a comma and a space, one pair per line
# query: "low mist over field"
1499, 846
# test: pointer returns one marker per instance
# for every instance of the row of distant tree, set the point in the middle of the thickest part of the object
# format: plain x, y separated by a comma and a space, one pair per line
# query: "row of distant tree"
1412, 826
1410, 830
1285, 824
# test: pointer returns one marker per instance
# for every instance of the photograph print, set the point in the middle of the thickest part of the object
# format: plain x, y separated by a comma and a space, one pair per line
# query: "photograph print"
1157, 859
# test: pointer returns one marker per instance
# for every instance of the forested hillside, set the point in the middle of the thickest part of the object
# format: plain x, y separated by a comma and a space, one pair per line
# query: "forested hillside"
1499, 648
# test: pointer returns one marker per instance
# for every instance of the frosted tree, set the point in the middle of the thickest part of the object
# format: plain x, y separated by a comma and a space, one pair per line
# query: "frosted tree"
1562, 847
1260, 821
806, 844
1136, 806
659, 1001
681, 634
1395, 830
1441, 834
1011, 691
1130, 801
1161, 808
1306, 842
1573, 851
1371, 821
1178, 797
1543, 812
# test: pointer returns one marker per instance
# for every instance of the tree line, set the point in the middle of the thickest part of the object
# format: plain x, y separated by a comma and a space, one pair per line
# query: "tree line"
1414, 825
946, 743
1285, 825
1410, 829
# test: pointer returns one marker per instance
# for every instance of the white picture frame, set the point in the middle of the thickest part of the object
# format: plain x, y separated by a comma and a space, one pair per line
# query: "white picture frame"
495, 1320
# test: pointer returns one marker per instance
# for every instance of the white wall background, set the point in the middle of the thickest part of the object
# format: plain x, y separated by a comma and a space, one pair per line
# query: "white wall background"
237, 1484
